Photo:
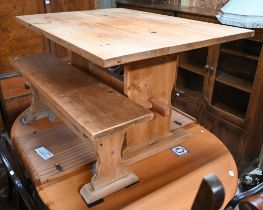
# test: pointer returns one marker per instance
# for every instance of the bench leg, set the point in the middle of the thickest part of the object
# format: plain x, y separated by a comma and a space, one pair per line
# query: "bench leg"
37, 109
110, 173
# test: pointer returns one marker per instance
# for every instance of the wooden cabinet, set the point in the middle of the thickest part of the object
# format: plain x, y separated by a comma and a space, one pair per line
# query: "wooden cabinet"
236, 72
17, 40
64, 6
230, 76
16, 97
13, 34
232, 67
198, 66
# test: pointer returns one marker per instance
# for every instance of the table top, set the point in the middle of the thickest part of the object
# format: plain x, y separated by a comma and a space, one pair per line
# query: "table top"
166, 180
109, 37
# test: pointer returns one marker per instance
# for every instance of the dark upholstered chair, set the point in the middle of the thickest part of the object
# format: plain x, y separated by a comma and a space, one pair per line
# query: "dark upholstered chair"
211, 194
17, 178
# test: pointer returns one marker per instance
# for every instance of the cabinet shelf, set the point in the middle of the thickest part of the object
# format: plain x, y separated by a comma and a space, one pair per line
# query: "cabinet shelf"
195, 68
184, 89
230, 100
240, 54
229, 110
234, 81
188, 81
238, 66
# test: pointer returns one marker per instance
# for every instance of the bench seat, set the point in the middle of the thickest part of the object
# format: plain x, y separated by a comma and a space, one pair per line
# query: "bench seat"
94, 108
96, 113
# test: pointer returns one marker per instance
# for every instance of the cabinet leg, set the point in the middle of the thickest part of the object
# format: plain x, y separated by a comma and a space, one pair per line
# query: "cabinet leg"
110, 174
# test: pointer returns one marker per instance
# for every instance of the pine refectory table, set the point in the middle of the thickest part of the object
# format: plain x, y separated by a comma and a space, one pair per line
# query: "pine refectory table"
122, 130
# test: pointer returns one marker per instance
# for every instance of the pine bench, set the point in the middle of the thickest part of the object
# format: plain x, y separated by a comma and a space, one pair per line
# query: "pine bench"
96, 113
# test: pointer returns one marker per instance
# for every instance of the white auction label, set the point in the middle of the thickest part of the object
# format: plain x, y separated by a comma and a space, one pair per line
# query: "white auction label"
179, 151
44, 153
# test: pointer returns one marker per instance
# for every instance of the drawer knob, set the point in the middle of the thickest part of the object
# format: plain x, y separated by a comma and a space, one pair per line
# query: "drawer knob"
207, 67
27, 85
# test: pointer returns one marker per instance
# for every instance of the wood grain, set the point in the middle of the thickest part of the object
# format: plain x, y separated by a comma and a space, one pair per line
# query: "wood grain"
166, 181
12, 39
13, 87
69, 151
144, 81
111, 37
94, 108
64, 6
255, 113
13, 107
110, 173
233, 81
37, 109
215, 4
212, 60
180, 119
205, 14
68, 5
17, 40
237, 64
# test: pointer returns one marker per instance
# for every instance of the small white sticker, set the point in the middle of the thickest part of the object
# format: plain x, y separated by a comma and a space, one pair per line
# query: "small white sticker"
11, 172
44, 153
231, 173
179, 151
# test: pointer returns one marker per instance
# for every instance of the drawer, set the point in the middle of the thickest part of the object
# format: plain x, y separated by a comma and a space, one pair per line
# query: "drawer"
14, 87
14, 107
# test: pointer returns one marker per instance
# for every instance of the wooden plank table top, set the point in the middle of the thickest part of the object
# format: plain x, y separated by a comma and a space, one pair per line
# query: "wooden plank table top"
166, 181
109, 37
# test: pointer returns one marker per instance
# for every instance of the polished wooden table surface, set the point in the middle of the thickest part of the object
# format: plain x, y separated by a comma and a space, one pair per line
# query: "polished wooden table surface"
166, 181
